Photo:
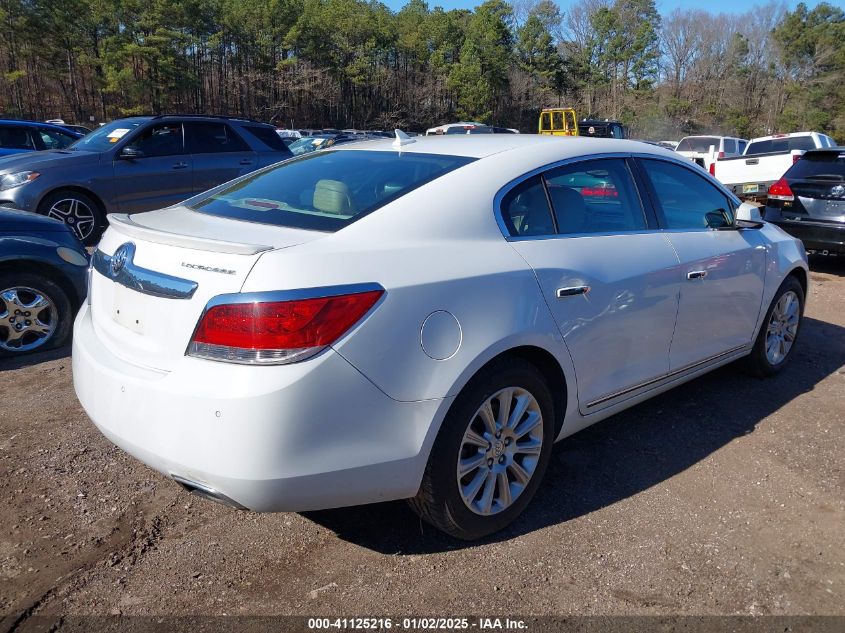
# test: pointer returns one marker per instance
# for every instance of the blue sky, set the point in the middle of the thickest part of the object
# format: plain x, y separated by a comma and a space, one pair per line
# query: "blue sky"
665, 6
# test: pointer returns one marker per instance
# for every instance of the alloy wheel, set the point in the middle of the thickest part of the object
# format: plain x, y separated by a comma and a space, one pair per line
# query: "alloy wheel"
782, 328
28, 319
500, 451
76, 214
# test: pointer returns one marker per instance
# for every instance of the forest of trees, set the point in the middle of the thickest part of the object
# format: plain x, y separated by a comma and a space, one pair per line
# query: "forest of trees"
356, 63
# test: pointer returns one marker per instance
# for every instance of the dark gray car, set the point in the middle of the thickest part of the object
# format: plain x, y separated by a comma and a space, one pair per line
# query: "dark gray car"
136, 164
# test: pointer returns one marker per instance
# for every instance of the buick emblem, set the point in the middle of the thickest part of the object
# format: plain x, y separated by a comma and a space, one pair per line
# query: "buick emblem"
838, 190
120, 257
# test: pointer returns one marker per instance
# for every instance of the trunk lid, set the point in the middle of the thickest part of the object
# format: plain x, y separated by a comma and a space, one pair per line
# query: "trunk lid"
145, 309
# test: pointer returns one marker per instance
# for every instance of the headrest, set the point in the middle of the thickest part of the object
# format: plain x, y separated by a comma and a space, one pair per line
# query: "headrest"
332, 196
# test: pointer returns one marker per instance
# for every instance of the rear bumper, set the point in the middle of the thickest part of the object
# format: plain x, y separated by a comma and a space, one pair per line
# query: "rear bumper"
305, 436
816, 236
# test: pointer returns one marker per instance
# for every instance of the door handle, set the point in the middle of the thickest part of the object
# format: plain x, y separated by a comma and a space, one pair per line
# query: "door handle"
181, 165
572, 291
696, 274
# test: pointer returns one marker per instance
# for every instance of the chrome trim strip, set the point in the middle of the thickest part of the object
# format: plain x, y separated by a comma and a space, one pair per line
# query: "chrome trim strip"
143, 280
206, 492
291, 295
500, 195
667, 377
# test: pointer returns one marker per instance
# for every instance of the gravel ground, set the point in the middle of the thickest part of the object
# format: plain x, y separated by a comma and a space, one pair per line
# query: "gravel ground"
724, 496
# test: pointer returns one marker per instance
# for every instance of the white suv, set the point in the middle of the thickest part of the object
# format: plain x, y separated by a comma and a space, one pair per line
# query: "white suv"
704, 150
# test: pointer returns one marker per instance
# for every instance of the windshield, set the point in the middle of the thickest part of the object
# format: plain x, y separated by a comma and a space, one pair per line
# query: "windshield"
697, 144
105, 137
326, 191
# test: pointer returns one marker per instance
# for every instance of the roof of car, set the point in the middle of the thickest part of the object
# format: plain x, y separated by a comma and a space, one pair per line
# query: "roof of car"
51, 126
483, 145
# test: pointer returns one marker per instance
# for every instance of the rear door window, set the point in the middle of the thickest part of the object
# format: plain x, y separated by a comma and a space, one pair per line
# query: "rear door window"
326, 190
596, 196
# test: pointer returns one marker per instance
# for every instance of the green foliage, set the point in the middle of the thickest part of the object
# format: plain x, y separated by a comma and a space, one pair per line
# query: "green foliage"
357, 63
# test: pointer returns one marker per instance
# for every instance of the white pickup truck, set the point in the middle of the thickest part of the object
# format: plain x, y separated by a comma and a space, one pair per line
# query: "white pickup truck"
765, 160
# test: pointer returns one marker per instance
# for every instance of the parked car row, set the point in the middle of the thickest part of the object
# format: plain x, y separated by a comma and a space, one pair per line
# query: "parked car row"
135, 164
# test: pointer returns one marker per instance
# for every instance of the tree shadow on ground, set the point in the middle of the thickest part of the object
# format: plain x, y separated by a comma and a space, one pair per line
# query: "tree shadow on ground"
623, 455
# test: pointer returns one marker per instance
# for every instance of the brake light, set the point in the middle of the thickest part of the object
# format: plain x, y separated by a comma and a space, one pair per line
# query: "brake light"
713, 169
602, 192
277, 332
796, 158
781, 191
721, 155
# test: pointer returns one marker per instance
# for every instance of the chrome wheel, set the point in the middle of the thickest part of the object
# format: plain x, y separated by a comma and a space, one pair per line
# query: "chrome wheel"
76, 214
783, 327
28, 319
500, 451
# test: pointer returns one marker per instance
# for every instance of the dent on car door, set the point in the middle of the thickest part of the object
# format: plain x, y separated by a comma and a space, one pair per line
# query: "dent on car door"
605, 270
722, 268
158, 175
218, 154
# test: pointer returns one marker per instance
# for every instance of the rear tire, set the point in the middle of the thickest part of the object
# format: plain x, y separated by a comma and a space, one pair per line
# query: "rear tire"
503, 470
80, 212
35, 314
779, 332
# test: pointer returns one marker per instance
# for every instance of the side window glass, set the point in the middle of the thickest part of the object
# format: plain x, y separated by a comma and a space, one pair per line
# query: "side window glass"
597, 196
13, 137
546, 121
209, 138
687, 200
742, 146
730, 146
525, 209
557, 120
164, 139
55, 140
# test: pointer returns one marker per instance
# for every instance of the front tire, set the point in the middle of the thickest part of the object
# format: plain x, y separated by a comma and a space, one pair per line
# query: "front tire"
80, 212
779, 332
491, 452
35, 314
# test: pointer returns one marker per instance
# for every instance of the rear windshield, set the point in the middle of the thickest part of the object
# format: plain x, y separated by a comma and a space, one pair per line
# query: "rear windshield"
786, 144
819, 166
698, 144
327, 190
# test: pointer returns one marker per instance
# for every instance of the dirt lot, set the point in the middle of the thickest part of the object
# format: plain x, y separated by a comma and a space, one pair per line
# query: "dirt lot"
722, 497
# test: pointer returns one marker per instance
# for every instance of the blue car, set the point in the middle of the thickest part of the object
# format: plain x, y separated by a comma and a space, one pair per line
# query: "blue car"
30, 136
43, 281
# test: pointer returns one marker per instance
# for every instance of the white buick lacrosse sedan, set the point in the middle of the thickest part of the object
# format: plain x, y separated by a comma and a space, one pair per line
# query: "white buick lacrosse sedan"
422, 318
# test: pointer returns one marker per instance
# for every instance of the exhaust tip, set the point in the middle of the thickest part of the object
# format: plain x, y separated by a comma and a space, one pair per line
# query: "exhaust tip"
206, 492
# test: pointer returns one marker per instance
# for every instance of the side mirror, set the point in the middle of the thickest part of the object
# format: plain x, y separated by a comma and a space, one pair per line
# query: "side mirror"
748, 216
130, 152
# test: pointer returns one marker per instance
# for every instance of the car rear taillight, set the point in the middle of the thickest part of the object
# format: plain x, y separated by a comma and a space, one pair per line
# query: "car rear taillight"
276, 332
781, 191
713, 169
721, 155
796, 158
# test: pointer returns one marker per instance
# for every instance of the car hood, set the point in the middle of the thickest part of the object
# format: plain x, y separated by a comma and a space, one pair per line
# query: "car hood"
46, 159
14, 221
